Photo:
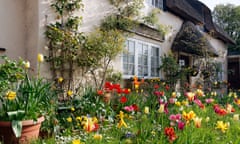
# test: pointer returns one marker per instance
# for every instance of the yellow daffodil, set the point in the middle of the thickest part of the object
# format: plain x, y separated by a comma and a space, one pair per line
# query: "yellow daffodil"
146, 110
197, 121
69, 119
76, 141
11, 95
40, 58
121, 120
27, 64
60, 79
78, 118
222, 126
69, 93
97, 137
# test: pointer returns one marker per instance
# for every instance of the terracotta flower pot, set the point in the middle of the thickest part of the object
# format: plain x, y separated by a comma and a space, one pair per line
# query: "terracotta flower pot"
30, 131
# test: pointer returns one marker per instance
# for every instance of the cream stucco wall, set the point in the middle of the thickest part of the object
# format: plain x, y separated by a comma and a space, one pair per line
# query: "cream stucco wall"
13, 28
221, 49
23, 25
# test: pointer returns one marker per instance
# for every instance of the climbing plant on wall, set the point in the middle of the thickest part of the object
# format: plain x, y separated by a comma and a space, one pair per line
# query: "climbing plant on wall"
73, 54
64, 40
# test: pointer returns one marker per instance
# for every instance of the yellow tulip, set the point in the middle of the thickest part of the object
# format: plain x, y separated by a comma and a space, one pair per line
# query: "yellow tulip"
146, 110
40, 58
161, 108
236, 117
197, 122
97, 137
27, 64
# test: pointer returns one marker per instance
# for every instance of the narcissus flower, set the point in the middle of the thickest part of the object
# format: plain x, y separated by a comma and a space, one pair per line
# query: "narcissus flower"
222, 126
78, 118
76, 141
11, 95
69, 93
69, 119
72, 109
60, 79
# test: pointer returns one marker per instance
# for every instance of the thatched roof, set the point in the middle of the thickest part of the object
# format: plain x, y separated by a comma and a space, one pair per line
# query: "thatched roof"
198, 13
190, 40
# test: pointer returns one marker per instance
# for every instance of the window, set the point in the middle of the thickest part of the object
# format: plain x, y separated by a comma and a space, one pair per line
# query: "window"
156, 3
141, 59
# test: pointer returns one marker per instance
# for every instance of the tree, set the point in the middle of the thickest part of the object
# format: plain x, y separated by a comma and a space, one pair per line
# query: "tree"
228, 18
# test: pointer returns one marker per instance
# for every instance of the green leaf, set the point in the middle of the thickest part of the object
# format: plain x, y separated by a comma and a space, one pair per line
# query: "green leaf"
17, 128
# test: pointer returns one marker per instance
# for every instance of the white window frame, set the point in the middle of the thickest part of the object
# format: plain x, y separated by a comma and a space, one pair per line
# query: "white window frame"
153, 3
150, 45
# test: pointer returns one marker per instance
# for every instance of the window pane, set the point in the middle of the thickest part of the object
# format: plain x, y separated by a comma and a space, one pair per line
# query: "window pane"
131, 59
128, 58
154, 61
156, 3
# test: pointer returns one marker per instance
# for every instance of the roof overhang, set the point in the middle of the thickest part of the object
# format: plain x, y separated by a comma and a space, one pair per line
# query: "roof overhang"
190, 40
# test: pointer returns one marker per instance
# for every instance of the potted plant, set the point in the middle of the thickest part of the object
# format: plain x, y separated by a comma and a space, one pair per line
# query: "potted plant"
24, 101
